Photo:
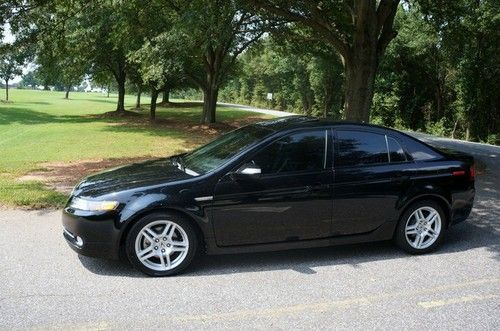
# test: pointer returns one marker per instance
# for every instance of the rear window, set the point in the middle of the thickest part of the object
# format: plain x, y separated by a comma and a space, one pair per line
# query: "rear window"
421, 152
396, 152
359, 148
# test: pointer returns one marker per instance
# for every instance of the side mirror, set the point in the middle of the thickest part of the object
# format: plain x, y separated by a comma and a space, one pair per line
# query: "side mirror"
247, 171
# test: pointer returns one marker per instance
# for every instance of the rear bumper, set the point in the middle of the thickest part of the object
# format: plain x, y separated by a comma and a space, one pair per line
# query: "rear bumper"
90, 234
462, 205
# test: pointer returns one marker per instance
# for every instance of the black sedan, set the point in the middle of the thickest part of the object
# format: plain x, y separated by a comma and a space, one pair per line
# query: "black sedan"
293, 182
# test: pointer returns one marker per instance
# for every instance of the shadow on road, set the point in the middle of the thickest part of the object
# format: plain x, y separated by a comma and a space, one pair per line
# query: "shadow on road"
468, 235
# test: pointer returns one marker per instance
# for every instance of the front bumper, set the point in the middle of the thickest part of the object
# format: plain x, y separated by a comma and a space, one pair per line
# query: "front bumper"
91, 234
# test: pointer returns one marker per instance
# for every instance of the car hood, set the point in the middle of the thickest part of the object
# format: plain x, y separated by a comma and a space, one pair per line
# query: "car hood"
137, 175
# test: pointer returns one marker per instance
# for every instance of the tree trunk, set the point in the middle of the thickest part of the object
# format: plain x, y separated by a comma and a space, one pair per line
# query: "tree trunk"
120, 80
108, 91
361, 65
359, 92
152, 107
454, 129
166, 96
138, 100
327, 107
66, 96
209, 104
6, 90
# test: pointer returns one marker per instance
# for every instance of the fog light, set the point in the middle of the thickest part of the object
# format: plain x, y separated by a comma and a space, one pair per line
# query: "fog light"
79, 241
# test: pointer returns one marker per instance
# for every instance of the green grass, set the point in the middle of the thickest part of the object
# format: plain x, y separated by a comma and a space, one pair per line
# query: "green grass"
41, 126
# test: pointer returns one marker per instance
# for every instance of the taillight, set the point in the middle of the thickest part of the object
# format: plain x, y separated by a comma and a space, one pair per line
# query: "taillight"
472, 172
458, 173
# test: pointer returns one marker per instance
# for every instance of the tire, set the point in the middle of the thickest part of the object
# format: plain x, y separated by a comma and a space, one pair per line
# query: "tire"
161, 244
421, 227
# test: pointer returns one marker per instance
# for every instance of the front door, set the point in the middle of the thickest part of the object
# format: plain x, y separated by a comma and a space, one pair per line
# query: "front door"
290, 200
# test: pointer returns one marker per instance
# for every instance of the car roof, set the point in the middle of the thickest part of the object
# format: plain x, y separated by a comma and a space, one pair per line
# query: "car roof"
297, 122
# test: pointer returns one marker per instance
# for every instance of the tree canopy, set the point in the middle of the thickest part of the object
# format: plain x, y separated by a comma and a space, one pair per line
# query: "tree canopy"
421, 64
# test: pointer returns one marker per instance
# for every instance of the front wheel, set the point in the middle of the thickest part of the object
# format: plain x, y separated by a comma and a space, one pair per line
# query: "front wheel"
161, 244
421, 228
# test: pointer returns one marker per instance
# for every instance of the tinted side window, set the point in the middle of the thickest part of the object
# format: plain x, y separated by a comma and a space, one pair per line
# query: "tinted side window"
358, 148
396, 152
304, 151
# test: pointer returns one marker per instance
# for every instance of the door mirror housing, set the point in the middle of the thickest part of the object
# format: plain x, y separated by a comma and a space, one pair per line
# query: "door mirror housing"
247, 171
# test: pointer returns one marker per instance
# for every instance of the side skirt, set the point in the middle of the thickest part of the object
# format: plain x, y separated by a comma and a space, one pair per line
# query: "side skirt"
384, 232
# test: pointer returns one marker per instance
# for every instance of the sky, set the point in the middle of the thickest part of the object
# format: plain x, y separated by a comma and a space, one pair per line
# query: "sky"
9, 38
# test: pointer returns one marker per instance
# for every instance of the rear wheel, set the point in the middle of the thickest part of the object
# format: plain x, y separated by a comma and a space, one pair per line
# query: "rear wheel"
161, 244
421, 227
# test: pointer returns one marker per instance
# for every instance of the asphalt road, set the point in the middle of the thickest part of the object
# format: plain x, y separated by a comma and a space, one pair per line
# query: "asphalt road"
45, 285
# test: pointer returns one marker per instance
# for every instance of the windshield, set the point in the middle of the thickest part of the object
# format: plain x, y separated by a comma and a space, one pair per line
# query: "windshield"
214, 154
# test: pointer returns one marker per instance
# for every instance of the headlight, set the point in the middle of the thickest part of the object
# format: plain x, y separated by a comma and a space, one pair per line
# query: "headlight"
91, 205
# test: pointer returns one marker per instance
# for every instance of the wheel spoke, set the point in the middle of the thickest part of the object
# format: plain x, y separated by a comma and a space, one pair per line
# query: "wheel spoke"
411, 229
431, 232
432, 219
171, 231
147, 255
167, 256
418, 240
162, 261
430, 216
149, 235
420, 215
167, 227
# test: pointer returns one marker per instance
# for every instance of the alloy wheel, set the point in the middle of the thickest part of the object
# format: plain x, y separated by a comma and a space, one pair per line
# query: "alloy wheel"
161, 245
423, 227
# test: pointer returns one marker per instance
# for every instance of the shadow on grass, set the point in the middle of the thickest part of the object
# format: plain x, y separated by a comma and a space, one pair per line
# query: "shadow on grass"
24, 115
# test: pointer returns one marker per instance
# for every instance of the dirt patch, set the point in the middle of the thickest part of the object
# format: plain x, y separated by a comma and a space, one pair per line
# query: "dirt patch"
180, 104
138, 120
63, 176
119, 114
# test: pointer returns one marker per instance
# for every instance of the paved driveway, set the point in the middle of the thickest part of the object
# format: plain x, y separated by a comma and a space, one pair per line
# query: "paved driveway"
44, 285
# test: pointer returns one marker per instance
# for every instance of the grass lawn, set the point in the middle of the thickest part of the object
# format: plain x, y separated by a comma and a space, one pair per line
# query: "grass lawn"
39, 128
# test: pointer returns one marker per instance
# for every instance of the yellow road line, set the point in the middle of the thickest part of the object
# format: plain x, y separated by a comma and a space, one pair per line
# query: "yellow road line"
332, 305
276, 312
469, 298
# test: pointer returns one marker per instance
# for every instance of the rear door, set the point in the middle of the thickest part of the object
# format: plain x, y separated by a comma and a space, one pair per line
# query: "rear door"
371, 173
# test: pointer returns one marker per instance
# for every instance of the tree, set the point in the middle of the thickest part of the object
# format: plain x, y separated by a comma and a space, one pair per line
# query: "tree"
29, 80
217, 32
10, 65
469, 31
161, 64
359, 31
101, 32
302, 76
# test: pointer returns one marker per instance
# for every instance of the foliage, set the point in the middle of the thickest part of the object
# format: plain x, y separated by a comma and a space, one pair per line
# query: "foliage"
300, 80
338, 59
29, 80
438, 73
10, 65
358, 31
